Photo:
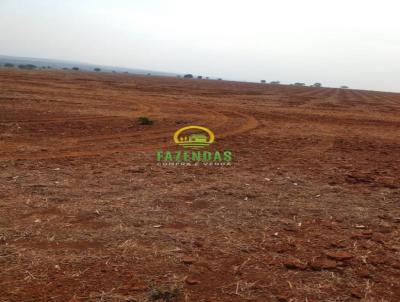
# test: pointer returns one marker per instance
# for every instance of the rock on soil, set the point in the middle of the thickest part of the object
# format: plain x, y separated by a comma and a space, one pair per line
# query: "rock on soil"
292, 263
188, 260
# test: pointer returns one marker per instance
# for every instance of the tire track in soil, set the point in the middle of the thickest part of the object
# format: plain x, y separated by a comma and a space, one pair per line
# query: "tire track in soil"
219, 121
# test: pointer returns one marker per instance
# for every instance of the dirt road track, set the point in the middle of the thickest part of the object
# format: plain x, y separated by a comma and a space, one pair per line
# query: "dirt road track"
309, 211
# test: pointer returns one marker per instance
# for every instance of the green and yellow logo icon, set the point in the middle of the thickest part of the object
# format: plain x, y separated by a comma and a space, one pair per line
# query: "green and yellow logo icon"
194, 137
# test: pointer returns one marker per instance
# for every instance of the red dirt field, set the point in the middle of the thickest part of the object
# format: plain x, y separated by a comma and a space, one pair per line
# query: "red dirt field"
308, 211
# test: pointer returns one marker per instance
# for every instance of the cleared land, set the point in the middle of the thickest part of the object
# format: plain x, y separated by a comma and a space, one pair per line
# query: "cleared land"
309, 211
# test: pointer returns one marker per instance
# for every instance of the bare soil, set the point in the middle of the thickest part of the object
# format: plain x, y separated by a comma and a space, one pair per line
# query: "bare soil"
309, 210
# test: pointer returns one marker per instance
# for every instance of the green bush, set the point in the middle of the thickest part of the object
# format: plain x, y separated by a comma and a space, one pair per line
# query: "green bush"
143, 120
163, 293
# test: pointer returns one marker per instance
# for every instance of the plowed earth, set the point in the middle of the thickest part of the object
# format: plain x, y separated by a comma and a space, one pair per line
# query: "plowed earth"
309, 210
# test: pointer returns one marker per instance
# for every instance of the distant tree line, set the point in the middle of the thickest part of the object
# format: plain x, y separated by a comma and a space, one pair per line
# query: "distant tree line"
191, 76
272, 82
31, 67
27, 66
186, 76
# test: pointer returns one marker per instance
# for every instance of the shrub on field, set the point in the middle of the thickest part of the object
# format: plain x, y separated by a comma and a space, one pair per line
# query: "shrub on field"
164, 293
8, 65
316, 85
344, 87
143, 120
263, 81
275, 82
97, 69
188, 76
199, 77
75, 68
299, 84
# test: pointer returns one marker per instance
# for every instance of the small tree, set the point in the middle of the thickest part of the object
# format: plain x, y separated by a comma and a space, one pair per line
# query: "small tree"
316, 85
199, 77
143, 120
188, 76
75, 68
97, 69
299, 84
344, 87
8, 65
263, 81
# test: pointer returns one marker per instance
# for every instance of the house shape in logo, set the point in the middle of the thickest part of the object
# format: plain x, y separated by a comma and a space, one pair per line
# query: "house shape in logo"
194, 140
198, 138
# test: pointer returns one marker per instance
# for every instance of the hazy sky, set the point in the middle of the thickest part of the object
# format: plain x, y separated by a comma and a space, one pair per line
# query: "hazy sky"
352, 42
